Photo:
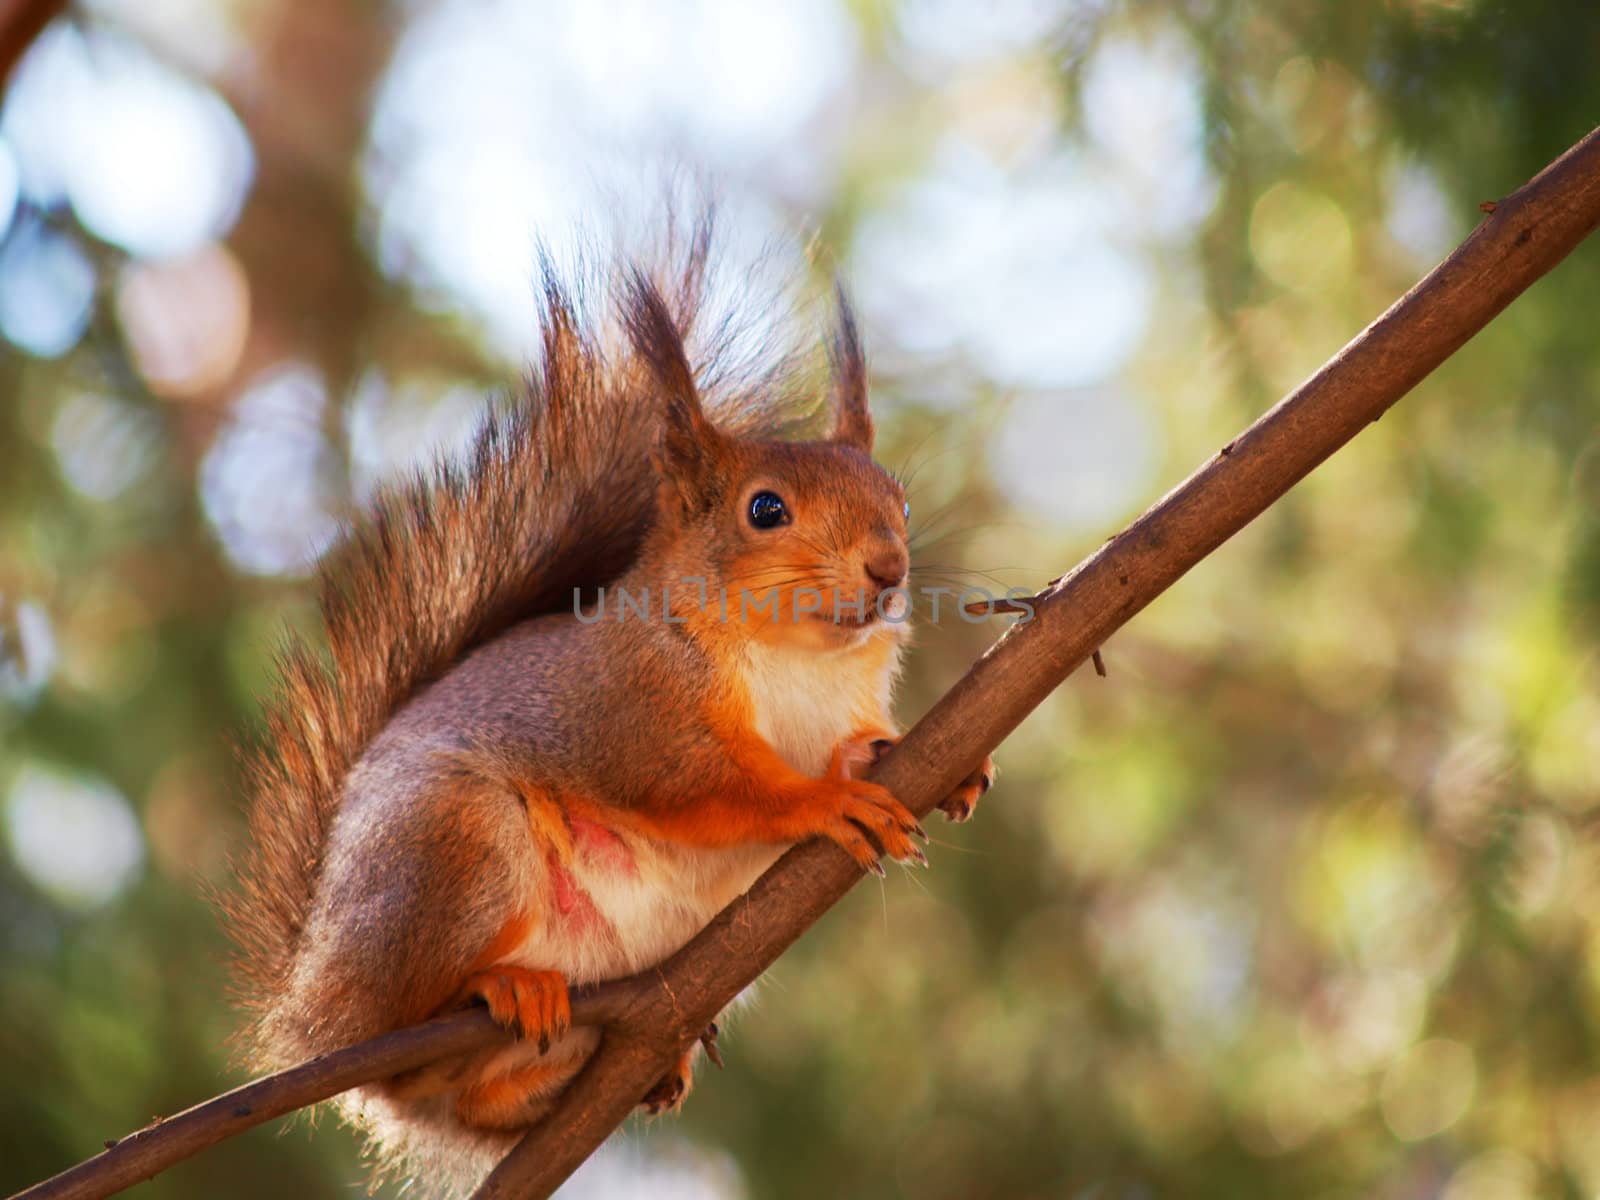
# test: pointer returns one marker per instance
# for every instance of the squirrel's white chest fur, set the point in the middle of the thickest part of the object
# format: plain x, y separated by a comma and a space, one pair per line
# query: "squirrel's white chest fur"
805, 703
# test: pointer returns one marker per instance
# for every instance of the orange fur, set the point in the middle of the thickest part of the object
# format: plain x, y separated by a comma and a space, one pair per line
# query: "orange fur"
761, 798
503, 1102
547, 818
534, 1004
957, 806
513, 934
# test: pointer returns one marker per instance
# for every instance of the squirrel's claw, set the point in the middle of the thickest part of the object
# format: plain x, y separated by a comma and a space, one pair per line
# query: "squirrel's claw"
668, 1093
873, 809
957, 806
670, 1090
866, 808
708, 1039
532, 1004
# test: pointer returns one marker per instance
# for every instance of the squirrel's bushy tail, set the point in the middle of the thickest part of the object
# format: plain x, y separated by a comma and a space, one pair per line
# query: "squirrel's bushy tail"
556, 494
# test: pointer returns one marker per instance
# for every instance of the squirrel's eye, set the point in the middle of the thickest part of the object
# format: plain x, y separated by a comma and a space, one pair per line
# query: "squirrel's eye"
907, 510
767, 510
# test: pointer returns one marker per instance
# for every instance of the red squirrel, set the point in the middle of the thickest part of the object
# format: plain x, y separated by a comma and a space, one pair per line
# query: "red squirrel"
486, 791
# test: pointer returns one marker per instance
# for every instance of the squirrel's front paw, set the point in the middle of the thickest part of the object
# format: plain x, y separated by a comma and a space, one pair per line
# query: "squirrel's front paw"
855, 757
862, 806
532, 1004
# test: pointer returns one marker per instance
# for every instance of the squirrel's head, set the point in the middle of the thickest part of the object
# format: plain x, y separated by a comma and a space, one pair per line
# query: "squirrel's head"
799, 543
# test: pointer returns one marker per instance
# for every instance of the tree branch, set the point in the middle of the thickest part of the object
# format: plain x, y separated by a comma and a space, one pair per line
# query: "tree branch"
168, 1140
651, 1018
1527, 234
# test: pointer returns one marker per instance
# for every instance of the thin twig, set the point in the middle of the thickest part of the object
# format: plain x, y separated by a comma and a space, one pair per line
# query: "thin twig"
169, 1140
984, 608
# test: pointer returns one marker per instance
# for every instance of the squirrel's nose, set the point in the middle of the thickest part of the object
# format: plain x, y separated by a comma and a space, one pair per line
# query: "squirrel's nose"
886, 565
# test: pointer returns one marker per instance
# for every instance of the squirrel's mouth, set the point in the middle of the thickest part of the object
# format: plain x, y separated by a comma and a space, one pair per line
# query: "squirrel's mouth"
851, 620
890, 605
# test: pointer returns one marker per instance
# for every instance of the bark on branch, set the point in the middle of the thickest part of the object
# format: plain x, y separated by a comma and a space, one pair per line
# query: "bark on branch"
652, 1018
168, 1140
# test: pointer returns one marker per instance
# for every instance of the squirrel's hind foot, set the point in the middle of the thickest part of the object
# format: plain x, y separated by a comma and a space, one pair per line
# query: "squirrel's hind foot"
958, 805
513, 1101
670, 1091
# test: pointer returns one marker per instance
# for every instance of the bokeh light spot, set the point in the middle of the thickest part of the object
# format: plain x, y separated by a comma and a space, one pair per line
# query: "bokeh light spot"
10, 187
267, 483
186, 319
104, 445
536, 118
27, 650
664, 1168
1420, 217
1141, 105
1429, 1089
1363, 1021
46, 291
149, 160
1498, 1174
74, 836
396, 429
206, 33
1300, 238
1010, 268
934, 35
1074, 459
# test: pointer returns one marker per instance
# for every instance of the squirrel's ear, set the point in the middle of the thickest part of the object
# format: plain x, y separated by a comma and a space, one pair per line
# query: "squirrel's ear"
852, 422
689, 448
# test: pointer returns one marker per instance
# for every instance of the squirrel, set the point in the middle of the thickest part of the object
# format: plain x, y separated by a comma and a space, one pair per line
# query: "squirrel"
480, 791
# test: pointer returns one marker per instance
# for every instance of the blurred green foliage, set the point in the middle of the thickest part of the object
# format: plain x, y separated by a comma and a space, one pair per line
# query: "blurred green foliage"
1302, 900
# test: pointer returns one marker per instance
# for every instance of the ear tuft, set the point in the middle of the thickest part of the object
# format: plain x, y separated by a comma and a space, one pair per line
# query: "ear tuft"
687, 454
852, 421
